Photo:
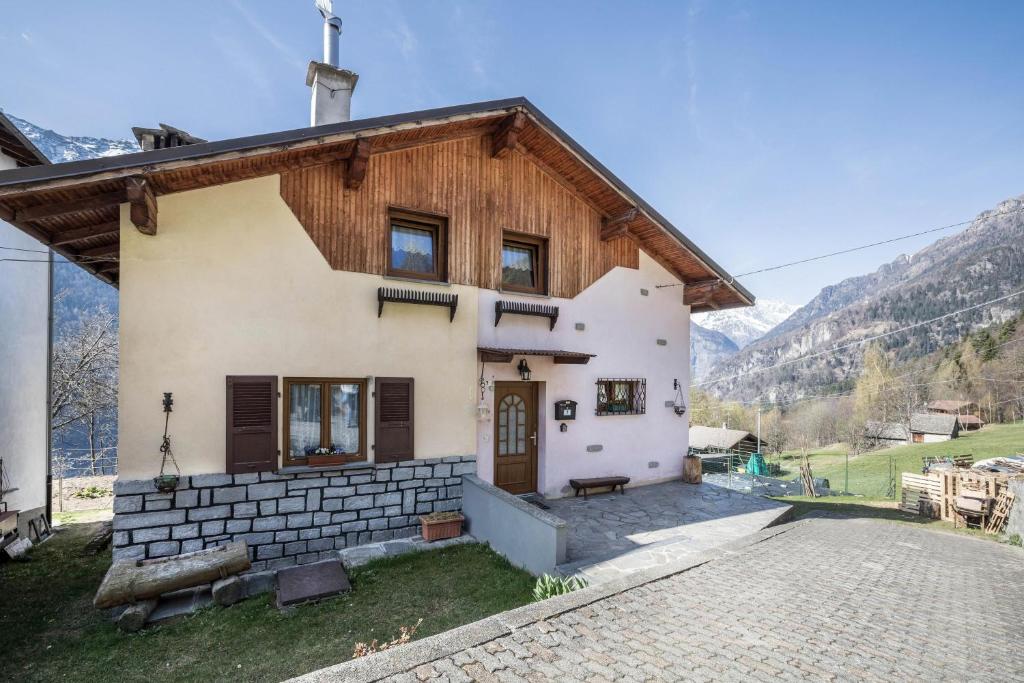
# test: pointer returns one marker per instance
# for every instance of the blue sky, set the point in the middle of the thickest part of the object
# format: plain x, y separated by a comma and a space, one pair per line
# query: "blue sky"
767, 131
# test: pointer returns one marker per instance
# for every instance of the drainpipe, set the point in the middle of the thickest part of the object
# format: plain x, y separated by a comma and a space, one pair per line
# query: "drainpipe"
49, 389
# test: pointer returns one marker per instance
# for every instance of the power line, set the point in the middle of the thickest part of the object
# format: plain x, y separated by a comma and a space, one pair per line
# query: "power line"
863, 341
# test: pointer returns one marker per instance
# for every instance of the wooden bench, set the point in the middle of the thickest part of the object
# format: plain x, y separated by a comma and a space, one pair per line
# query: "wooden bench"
598, 482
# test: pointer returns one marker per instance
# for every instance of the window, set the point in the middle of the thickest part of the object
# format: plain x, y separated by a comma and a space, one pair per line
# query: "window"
325, 418
621, 396
524, 264
418, 246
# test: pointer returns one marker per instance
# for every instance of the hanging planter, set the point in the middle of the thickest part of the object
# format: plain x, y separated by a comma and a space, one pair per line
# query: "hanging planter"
166, 482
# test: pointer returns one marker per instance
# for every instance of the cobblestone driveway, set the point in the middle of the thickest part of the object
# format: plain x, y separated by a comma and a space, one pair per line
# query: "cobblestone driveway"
822, 600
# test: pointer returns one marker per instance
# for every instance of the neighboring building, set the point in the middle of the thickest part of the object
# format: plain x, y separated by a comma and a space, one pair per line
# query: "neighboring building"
932, 427
274, 284
886, 434
716, 439
24, 344
952, 407
970, 422
924, 428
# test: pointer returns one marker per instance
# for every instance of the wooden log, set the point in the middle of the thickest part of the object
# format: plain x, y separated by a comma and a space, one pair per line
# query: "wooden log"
135, 615
692, 469
227, 591
133, 580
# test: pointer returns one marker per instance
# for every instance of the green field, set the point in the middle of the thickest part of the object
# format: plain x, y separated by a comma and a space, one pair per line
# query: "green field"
869, 472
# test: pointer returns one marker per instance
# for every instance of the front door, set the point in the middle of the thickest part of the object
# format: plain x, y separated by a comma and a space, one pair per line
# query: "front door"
515, 436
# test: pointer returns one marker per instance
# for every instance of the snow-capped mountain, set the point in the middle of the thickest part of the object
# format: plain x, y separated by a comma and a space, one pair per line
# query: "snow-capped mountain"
746, 325
60, 148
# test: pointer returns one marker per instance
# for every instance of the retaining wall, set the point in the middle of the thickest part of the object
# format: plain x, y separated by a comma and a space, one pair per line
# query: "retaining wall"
287, 518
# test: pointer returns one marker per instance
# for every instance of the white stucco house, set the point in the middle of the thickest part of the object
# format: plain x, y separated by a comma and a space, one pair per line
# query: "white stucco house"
25, 282
352, 315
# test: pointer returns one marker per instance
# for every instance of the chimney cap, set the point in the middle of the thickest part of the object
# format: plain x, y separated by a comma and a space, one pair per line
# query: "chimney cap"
321, 69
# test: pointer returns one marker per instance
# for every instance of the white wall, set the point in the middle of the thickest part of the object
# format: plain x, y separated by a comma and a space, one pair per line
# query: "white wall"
24, 291
622, 327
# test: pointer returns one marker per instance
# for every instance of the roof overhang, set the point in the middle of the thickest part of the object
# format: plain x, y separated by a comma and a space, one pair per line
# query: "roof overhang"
74, 206
14, 144
490, 354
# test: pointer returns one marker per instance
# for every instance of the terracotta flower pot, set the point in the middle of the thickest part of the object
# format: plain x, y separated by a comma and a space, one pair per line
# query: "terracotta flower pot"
440, 529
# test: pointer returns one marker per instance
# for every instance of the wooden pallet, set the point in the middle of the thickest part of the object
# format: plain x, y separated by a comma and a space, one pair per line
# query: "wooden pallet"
997, 520
921, 488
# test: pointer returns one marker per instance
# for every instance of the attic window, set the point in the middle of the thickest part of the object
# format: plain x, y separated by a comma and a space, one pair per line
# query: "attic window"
418, 247
621, 396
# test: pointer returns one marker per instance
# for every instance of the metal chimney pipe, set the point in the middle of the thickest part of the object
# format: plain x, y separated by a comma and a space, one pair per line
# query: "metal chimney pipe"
332, 36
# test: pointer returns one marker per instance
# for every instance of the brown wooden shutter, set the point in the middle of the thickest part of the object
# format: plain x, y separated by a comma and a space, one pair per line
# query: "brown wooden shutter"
393, 419
251, 423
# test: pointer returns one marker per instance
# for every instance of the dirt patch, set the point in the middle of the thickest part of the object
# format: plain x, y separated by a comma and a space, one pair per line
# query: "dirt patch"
65, 500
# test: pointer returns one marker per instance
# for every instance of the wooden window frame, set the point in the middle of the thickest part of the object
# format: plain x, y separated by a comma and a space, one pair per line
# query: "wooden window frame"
438, 226
325, 422
637, 402
539, 247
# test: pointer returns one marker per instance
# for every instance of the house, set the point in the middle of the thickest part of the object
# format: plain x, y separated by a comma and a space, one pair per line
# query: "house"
351, 316
932, 427
886, 434
715, 439
966, 412
25, 278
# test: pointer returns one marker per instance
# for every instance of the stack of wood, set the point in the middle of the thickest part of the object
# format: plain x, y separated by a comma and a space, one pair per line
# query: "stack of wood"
921, 495
140, 583
959, 495
807, 477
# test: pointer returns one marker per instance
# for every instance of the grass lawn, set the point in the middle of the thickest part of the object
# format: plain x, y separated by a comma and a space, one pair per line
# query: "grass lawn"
50, 631
869, 472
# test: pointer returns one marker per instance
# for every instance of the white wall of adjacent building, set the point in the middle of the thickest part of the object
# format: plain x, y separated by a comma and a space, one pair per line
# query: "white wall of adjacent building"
24, 293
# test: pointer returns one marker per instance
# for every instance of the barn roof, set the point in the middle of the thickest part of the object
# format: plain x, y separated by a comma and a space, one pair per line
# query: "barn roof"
949, 406
74, 207
716, 437
933, 423
891, 431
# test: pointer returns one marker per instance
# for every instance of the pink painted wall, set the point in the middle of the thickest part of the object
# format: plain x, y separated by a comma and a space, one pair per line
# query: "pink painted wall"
622, 327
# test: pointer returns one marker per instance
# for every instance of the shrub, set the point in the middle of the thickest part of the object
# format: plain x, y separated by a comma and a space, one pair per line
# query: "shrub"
1015, 539
549, 586
91, 492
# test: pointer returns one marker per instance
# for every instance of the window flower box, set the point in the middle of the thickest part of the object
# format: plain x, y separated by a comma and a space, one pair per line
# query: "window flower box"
438, 526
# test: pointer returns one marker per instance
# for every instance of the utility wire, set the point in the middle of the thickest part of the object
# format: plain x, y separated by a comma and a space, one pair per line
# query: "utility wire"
863, 341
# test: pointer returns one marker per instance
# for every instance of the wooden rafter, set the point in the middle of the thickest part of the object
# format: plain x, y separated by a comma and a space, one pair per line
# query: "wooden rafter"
50, 210
701, 293
100, 251
618, 226
355, 165
98, 230
506, 135
143, 210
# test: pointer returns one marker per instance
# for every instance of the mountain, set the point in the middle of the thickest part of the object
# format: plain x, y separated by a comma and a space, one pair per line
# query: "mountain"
746, 325
981, 263
60, 148
707, 349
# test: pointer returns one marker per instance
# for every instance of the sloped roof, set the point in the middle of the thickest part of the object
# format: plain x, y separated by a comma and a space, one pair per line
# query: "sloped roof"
88, 193
716, 437
933, 423
892, 431
970, 420
14, 144
949, 406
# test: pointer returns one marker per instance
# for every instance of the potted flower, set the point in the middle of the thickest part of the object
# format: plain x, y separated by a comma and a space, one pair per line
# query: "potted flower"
324, 456
438, 526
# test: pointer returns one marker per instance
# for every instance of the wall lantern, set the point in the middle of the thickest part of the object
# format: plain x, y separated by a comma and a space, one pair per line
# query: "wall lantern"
565, 410
679, 404
524, 370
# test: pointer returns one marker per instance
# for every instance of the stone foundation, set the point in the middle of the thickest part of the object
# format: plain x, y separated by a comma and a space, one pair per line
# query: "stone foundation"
292, 517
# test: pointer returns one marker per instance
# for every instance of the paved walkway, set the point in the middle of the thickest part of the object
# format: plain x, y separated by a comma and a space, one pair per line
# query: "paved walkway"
612, 535
821, 599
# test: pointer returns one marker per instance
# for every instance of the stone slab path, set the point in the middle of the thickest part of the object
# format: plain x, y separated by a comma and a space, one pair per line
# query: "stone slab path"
611, 535
821, 599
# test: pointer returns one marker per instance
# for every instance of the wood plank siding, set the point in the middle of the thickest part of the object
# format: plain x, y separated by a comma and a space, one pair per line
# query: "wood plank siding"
481, 197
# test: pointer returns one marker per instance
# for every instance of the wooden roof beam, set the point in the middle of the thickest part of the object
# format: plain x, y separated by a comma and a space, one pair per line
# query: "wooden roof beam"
139, 192
618, 226
53, 209
355, 165
100, 251
506, 134
98, 230
700, 293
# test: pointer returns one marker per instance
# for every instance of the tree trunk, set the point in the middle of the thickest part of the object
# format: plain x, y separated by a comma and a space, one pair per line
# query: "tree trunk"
132, 580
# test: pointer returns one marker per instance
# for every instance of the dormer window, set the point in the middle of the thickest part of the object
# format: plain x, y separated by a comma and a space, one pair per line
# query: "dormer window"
418, 247
524, 264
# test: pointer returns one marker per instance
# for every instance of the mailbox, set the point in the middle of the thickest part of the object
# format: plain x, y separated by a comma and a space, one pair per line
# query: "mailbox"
565, 410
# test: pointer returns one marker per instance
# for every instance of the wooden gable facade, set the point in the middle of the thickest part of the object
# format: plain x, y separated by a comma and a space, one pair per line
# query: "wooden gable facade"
480, 197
